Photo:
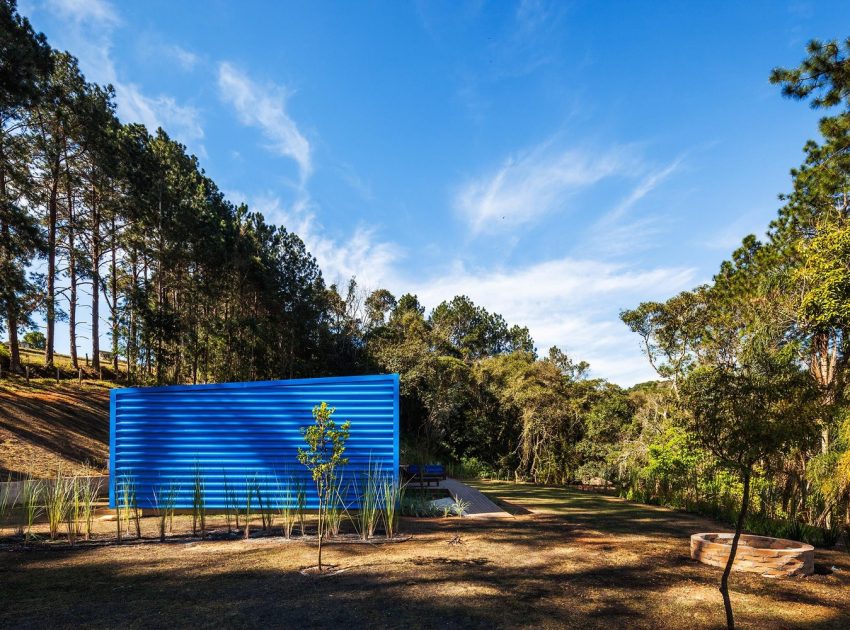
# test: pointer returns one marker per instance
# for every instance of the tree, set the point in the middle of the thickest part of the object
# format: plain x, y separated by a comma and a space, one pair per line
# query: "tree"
35, 339
24, 64
744, 413
323, 455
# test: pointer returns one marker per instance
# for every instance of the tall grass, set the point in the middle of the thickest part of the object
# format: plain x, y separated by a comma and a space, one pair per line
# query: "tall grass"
7, 500
301, 505
336, 507
230, 505
392, 495
31, 495
130, 504
75, 509
199, 509
287, 506
88, 497
369, 514
165, 498
264, 505
57, 503
250, 484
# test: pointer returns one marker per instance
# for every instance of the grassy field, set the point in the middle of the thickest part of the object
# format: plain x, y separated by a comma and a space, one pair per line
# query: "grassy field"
567, 559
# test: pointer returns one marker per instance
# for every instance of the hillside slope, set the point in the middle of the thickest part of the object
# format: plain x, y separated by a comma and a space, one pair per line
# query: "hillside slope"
47, 427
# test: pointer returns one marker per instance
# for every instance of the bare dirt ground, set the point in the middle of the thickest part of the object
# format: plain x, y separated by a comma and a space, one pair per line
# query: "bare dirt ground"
568, 559
47, 428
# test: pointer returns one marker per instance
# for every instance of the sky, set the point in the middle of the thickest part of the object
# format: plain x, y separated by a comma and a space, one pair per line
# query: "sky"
556, 162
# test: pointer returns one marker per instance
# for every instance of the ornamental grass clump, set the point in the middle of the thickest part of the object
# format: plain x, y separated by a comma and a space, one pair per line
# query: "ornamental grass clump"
6, 499
164, 499
392, 495
336, 508
89, 493
301, 506
199, 509
264, 505
129, 505
57, 502
231, 505
370, 501
250, 484
287, 507
31, 499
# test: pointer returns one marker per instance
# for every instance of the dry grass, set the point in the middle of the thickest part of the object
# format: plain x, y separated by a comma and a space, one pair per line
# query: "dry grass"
574, 559
46, 428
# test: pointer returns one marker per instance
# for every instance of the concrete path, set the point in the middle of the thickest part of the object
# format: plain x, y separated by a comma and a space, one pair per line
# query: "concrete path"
479, 505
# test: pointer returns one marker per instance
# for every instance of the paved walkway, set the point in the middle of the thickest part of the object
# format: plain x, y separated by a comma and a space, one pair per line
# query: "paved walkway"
479, 505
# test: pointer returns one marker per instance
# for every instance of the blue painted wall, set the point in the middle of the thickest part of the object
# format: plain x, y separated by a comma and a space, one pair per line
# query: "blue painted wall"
241, 432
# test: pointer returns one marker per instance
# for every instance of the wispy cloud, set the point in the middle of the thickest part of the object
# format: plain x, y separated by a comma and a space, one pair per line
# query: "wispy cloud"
98, 11
90, 33
264, 107
538, 182
185, 58
361, 254
616, 233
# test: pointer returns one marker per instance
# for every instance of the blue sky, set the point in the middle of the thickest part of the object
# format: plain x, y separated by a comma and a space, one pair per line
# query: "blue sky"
557, 162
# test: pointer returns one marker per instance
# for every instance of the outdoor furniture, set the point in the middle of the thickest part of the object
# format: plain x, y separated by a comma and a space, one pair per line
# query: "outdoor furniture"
424, 475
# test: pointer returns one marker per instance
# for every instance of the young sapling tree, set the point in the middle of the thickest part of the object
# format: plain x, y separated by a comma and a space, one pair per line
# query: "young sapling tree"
323, 455
744, 412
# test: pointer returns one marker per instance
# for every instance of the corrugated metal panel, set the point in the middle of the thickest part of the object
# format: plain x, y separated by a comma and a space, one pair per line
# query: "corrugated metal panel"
242, 433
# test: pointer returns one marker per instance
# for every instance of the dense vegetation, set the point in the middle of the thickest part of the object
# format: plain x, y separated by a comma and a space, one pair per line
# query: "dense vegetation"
751, 388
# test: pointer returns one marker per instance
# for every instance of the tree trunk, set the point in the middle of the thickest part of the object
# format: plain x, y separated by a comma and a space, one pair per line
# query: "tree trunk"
95, 283
724, 581
114, 291
72, 274
50, 301
11, 298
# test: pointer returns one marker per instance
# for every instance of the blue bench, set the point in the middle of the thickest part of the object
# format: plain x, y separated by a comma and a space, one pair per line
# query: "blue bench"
424, 475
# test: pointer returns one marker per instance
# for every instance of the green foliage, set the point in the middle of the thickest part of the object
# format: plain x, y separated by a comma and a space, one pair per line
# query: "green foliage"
35, 339
323, 455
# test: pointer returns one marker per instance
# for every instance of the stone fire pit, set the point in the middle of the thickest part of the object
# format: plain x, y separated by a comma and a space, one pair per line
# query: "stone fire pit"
772, 557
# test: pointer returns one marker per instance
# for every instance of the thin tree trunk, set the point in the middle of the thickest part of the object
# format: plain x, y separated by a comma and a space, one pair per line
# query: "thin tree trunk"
724, 581
72, 274
52, 213
95, 283
114, 291
11, 298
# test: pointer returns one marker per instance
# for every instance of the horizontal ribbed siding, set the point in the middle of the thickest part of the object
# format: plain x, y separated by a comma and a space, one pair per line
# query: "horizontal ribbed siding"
245, 433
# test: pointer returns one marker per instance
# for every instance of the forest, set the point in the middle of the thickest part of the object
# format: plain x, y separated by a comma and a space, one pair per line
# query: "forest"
750, 400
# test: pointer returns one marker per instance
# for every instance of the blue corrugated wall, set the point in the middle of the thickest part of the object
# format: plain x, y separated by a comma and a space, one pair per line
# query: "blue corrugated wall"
245, 433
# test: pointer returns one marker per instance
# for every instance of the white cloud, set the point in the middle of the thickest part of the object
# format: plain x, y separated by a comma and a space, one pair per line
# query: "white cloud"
180, 121
614, 234
99, 11
264, 106
534, 184
571, 303
186, 58
90, 32
362, 254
